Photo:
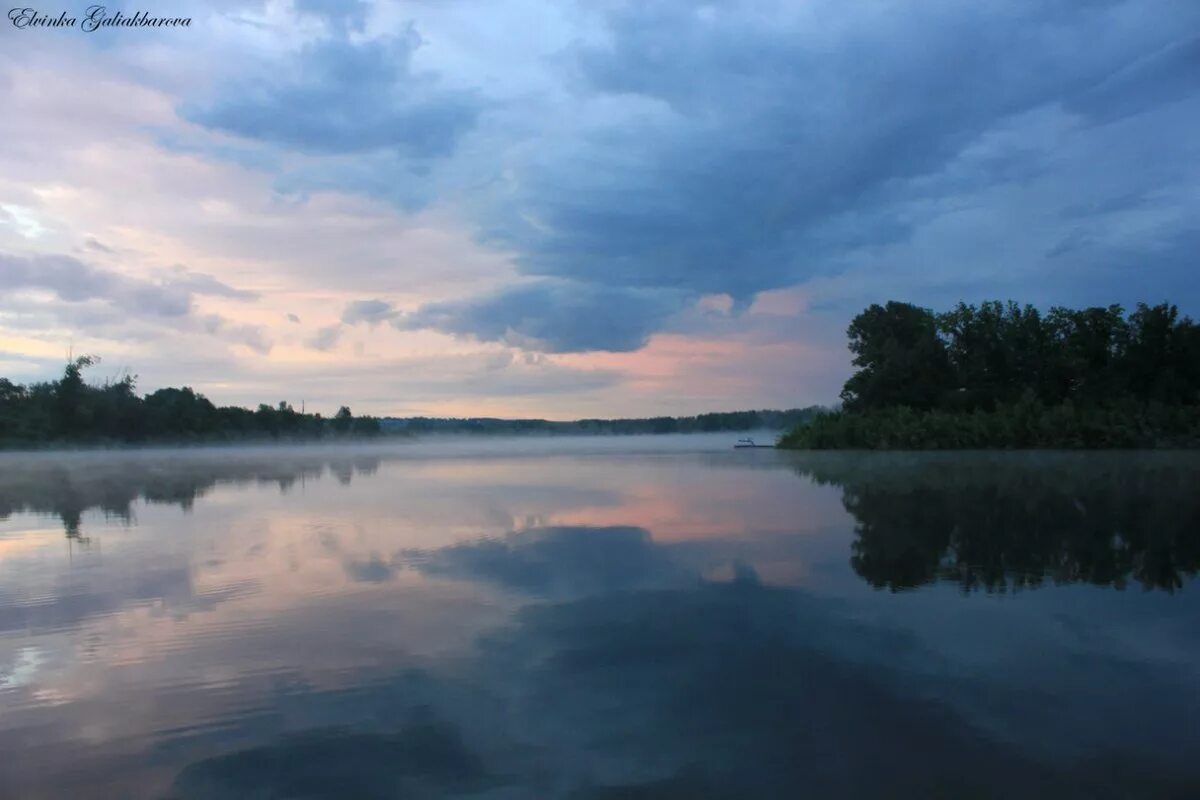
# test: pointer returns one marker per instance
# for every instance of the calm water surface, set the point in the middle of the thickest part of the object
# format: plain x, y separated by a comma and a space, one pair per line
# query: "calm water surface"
660, 617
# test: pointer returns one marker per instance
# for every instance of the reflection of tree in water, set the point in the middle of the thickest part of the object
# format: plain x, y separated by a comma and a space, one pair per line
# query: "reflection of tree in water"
70, 486
345, 470
997, 521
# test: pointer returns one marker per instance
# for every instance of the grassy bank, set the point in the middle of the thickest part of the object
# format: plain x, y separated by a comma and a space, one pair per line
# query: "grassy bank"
1021, 426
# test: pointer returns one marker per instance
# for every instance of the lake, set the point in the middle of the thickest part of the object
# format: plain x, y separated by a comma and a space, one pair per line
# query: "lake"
614, 617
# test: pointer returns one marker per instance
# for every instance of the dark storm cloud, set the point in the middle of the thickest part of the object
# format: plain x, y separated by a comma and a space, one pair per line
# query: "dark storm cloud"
335, 96
1165, 76
756, 154
554, 316
1097, 272
775, 148
728, 148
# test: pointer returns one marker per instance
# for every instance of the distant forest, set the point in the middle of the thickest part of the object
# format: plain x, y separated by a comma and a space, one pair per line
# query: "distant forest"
702, 423
70, 411
1003, 375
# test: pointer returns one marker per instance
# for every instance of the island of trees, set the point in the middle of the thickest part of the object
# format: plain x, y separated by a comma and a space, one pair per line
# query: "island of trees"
1004, 375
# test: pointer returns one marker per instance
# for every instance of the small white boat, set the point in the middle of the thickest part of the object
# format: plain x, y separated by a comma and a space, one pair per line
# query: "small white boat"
748, 442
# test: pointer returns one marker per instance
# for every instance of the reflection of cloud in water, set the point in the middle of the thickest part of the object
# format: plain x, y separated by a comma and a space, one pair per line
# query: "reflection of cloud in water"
424, 759
346, 610
729, 687
554, 561
718, 691
71, 600
501, 493
372, 570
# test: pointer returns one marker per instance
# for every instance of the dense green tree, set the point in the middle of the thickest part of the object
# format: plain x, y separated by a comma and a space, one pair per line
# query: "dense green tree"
343, 420
1088, 348
365, 426
73, 414
71, 410
116, 409
1161, 360
997, 353
179, 410
901, 359
1003, 375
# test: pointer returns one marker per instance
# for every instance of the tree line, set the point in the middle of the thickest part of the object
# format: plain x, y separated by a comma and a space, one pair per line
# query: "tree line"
72, 411
1001, 374
765, 419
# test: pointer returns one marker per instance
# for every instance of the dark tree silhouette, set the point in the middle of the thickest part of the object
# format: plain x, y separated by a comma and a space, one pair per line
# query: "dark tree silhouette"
70, 410
1003, 375
901, 360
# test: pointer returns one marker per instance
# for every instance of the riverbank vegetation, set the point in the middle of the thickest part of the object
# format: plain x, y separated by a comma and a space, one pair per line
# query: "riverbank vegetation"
72, 411
1003, 375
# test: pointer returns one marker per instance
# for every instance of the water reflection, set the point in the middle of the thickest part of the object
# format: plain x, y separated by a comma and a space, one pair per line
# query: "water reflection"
1011, 521
556, 561
714, 691
68, 487
993, 522
321, 624
424, 759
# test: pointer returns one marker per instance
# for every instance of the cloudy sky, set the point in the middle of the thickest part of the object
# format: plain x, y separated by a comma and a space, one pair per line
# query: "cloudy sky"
569, 209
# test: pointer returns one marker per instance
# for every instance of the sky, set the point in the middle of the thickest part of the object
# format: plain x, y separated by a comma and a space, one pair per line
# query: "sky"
576, 209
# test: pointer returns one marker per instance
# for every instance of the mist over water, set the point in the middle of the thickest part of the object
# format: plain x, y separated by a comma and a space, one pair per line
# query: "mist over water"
597, 617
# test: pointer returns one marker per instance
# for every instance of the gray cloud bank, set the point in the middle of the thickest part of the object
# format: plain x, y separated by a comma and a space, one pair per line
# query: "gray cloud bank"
107, 302
75, 281
731, 149
343, 97
554, 316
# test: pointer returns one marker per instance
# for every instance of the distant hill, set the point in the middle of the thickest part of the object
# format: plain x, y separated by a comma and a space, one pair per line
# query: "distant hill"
766, 419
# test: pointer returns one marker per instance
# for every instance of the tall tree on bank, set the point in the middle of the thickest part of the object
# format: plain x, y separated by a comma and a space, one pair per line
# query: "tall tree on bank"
996, 354
901, 360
